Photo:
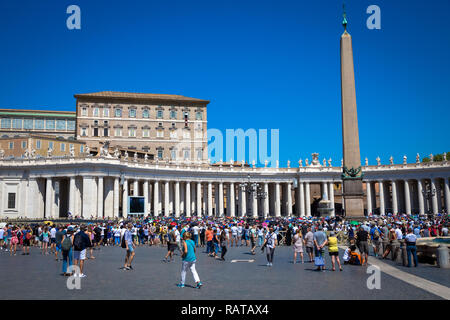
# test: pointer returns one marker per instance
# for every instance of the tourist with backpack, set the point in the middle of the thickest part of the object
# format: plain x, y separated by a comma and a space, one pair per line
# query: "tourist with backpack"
81, 242
66, 249
26, 236
375, 236
128, 244
172, 245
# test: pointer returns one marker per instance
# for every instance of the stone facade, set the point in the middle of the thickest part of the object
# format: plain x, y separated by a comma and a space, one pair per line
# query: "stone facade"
165, 126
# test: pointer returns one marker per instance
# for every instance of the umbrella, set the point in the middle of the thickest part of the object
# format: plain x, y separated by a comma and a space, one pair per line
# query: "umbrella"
355, 223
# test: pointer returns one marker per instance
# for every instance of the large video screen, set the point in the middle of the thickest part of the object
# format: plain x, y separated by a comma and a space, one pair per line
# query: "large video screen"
136, 205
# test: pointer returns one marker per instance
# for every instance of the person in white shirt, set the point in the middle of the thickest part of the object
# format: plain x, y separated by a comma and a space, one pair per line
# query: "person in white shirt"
411, 248
195, 230
239, 235
270, 244
399, 233
234, 235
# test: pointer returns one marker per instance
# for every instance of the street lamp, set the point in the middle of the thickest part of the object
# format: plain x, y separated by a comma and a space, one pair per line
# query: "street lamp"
428, 193
254, 189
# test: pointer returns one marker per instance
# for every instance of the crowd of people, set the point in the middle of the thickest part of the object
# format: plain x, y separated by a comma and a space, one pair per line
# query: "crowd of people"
73, 243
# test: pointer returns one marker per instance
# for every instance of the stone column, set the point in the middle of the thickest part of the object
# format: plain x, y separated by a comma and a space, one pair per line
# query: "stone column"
407, 198
125, 199
324, 191
49, 199
177, 199
382, 205
331, 196
420, 196
166, 199
277, 200
156, 198
135, 188
231, 200
266, 200
205, 200
301, 198
369, 198
394, 197
438, 194
447, 195
182, 198
289, 200
210, 202
145, 186
220, 214
193, 198
434, 201
100, 198
188, 199
307, 200
243, 203
254, 205
199, 199
116, 198
72, 195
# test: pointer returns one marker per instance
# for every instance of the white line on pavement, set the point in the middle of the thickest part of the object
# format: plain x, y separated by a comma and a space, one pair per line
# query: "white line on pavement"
432, 287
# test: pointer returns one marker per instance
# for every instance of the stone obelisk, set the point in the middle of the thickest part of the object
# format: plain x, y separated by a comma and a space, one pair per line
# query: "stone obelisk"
352, 174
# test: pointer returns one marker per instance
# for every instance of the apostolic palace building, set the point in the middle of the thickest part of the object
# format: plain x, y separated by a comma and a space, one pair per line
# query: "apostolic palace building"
153, 147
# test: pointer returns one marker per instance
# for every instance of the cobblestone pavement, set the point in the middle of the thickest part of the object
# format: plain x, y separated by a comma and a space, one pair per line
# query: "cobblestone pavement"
39, 277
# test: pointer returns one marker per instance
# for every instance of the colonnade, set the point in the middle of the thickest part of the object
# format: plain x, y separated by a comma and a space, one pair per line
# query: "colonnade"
409, 196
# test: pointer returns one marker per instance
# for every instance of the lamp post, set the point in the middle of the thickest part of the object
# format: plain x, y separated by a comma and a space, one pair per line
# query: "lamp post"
428, 193
254, 189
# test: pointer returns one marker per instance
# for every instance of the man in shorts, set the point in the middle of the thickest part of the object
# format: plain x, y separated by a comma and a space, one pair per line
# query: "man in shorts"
59, 237
234, 235
361, 241
129, 246
81, 241
53, 239
309, 240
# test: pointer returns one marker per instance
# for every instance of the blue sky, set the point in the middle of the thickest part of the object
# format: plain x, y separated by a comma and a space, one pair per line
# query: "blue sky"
263, 64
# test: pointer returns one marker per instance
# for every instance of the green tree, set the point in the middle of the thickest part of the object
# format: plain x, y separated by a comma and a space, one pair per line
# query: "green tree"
426, 159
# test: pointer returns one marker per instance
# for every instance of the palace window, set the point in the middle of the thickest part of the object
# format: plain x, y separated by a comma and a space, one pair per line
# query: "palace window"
39, 124
160, 153
173, 154
50, 145
6, 123
118, 132
24, 144
145, 113
28, 124
83, 132
17, 123
132, 113
70, 125
159, 133
186, 134
145, 133
50, 124
11, 200
63, 147
84, 111
61, 124
106, 112
173, 114
131, 132
105, 132
81, 148
173, 134
199, 115
199, 154
38, 144
118, 113
11, 145
159, 114
95, 132
96, 112
187, 154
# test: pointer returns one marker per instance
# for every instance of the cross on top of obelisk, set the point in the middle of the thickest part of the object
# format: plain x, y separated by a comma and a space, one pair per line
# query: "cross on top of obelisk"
344, 21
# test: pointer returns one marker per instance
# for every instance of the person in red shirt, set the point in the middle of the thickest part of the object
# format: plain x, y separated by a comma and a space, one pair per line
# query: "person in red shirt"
209, 241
